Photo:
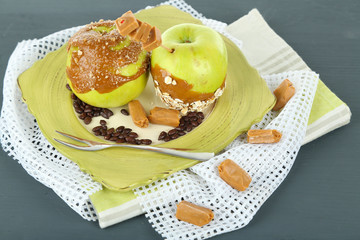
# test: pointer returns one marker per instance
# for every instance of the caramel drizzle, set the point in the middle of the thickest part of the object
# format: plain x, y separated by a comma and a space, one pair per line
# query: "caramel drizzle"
182, 90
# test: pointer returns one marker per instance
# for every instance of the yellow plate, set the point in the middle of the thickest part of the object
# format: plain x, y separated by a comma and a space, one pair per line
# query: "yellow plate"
244, 102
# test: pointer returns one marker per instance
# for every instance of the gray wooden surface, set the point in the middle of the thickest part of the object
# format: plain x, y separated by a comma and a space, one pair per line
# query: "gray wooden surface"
320, 197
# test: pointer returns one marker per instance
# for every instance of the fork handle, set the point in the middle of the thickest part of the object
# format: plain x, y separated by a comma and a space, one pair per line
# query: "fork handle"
200, 156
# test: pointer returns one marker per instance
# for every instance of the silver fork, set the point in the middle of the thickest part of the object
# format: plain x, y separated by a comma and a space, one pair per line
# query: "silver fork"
94, 146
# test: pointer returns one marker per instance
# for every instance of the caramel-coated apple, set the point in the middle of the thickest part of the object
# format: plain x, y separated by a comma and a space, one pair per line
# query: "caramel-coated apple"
103, 68
191, 75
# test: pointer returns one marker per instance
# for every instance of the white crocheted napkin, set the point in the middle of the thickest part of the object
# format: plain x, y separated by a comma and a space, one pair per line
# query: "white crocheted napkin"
267, 164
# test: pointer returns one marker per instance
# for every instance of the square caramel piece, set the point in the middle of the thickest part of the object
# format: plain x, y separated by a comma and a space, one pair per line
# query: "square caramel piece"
234, 175
154, 39
138, 114
283, 93
164, 116
126, 23
194, 214
263, 136
142, 32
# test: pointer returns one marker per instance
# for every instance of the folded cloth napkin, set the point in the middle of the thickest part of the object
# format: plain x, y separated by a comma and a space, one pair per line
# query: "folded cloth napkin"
270, 54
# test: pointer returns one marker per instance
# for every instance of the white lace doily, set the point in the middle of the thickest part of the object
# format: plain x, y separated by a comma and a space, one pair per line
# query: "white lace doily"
20, 135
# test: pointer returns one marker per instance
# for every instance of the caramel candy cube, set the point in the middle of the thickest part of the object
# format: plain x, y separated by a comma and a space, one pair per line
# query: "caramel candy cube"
193, 214
146, 28
141, 32
126, 23
283, 93
138, 114
234, 175
263, 136
154, 39
136, 34
163, 116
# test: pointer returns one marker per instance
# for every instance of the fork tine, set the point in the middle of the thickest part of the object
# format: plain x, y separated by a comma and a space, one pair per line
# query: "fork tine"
73, 145
86, 141
73, 137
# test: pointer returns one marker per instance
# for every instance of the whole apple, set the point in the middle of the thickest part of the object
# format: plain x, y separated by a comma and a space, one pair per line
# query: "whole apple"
194, 71
105, 69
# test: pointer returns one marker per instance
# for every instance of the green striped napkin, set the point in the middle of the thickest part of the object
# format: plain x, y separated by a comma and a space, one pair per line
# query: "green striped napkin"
269, 53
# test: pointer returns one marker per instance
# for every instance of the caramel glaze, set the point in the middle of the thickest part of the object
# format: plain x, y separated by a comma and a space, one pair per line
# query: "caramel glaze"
93, 65
182, 90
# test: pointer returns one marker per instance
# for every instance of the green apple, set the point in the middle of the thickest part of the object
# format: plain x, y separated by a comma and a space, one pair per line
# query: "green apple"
199, 56
124, 93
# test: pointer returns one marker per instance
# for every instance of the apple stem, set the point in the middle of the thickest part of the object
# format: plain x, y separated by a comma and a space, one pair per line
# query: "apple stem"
167, 49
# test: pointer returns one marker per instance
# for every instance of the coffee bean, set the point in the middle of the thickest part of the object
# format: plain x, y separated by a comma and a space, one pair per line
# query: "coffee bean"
125, 112
133, 134
199, 120
174, 136
110, 131
88, 110
186, 118
194, 124
193, 119
130, 140
107, 137
162, 135
96, 114
200, 115
97, 133
116, 134
105, 128
68, 87
167, 138
114, 139
146, 141
183, 128
127, 130
137, 141
189, 128
120, 129
102, 122
76, 105
172, 132
73, 96
79, 110
95, 129
181, 133
87, 120
191, 114
120, 140
121, 136
102, 132
104, 115
82, 116
108, 113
